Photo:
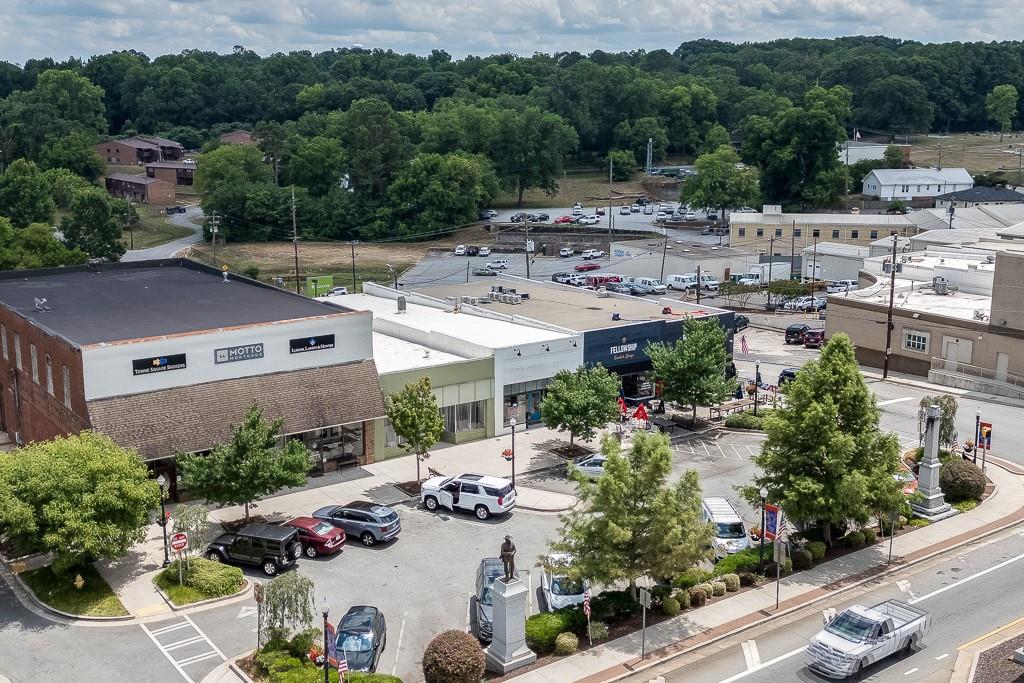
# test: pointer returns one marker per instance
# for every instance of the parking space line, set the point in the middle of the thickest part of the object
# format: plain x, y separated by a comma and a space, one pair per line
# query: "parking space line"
398, 647
469, 615
706, 451
166, 650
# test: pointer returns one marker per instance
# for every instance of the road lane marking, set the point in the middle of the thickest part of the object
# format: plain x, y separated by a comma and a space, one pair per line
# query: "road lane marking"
183, 643
469, 618
904, 586
990, 633
895, 400
398, 647
200, 632
750, 654
165, 629
198, 658
941, 657
160, 647
907, 673
788, 655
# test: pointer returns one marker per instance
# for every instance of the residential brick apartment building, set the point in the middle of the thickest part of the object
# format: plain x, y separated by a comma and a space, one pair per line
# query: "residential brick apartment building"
140, 150
237, 137
141, 189
178, 173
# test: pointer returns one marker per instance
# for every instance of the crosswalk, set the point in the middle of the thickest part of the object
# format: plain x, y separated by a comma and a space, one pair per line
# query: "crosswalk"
711, 449
186, 647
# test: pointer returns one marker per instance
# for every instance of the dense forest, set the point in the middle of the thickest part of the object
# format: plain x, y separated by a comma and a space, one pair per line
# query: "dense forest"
423, 142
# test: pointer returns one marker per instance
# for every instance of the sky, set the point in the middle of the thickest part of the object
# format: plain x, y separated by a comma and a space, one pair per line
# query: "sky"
80, 28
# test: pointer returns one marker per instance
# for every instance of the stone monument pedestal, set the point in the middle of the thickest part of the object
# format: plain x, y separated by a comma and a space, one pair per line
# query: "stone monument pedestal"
931, 502
508, 650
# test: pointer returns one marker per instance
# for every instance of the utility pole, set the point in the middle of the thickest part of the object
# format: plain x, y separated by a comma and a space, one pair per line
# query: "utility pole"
131, 225
664, 250
1020, 167
771, 260
611, 215
698, 285
940, 156
792, 246
888, 316
527, 249
353, 244
295, 242
952, 210
214, 229
650, 150
467, 274
814, 267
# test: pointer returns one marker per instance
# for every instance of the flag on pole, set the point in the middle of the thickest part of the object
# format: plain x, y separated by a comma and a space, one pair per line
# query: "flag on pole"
743, 345
856, 134
586, 603
343, 664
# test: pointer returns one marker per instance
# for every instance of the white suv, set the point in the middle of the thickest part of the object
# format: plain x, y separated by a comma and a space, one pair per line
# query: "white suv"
479, 493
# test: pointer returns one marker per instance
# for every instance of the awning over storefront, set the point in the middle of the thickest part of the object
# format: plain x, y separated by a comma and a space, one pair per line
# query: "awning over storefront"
197, 417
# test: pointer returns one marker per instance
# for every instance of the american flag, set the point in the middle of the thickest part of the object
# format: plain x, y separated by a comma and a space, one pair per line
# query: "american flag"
342, 663
743, 345
586, 603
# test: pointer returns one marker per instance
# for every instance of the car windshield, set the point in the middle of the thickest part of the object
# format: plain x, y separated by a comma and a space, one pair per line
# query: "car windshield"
729, 530
355, 641
563, 585
485, 593
323, 529
852, 627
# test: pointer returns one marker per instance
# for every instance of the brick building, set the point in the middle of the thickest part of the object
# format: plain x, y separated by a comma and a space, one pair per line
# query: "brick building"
140, 188
140, 150
164, 356
176, 172
237, 137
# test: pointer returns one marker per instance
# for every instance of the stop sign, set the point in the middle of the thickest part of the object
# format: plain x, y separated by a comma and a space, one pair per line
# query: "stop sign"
179, 542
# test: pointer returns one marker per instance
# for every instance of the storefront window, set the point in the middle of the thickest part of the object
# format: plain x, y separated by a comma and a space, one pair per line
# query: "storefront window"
523, 400
464, 417
352, 440
391, 439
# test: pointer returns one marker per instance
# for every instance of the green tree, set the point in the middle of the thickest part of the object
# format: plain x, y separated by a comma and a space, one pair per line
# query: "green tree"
779, 291
632, 522
81, 497
893, 157
376, 142
947, 417
194, 521
623, 164
719, 183
897, 102
635, 135
34, 247
64, 185
271, 138
92, 226
247, 467
287, 604
416, 419
25, 194
1001, 105
716, 137
823, 447
230, 167
75, 152
316, 164
692, 371
530, 149
580, 401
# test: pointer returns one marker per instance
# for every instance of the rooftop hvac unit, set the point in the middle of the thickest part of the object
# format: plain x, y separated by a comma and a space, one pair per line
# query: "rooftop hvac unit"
401, 304
466, 299
941, 285
525, 295
506, 298
450, 300
493, 296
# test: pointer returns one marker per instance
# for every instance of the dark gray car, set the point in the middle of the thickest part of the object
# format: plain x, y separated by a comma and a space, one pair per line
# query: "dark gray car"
362, 637
490, 569
369, 522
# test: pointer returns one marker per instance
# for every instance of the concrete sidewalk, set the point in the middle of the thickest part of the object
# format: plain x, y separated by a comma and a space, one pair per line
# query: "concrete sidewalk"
697, 626
131, 576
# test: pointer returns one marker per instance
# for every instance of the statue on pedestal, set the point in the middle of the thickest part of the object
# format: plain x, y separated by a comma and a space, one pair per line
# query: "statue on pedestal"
508, 559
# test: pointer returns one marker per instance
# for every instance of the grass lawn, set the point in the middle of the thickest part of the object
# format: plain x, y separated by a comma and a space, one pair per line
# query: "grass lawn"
95, 599
179, 595
577, 185
977, 152
152, 230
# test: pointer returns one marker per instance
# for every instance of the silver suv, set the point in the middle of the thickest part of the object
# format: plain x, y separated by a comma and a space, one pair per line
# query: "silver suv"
369, 522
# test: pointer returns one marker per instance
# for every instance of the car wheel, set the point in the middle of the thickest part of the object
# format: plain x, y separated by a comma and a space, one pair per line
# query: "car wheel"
213, 556
270, 567
430, 503
908, 648
482, 512
311, 551
368, 539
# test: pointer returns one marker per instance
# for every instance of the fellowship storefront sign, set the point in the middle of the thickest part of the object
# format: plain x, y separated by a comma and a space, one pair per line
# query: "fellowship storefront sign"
147, 366
306, 344
618, 346
232, 354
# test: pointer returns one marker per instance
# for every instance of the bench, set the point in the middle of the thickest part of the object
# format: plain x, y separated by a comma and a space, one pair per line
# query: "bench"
664, 424
720, 411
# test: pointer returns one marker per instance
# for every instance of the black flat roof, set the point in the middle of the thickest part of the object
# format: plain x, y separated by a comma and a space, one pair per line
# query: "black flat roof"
120, 301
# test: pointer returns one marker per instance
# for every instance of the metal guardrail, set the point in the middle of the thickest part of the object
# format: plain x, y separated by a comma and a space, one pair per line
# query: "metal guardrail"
944, 365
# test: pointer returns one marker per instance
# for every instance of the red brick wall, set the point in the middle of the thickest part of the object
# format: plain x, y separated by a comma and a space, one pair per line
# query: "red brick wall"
160, 192
36, 415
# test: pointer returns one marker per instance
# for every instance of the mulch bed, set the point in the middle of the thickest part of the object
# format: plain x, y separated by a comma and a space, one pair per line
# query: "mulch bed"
996, 665
571, 452
410, 488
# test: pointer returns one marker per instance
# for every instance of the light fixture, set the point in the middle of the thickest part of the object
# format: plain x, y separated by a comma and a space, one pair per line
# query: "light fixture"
518, 352
325, 608
764, 493
573, 342
546, 347
161, 481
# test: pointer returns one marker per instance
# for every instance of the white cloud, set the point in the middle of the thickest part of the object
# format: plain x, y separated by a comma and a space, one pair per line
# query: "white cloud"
61, 28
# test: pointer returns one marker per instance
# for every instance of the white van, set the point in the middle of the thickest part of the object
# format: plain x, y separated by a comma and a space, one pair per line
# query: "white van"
682, 282
840, 286
729, 535
653, 283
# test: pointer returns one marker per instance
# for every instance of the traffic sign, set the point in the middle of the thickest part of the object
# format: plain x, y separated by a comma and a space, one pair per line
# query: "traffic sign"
179, 542
645, 598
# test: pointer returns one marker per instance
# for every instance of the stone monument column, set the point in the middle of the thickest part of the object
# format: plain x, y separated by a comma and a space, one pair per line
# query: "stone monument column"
931, 502
508, 650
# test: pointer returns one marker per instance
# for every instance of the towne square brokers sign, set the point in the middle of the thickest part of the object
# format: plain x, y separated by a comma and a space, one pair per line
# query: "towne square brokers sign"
147, 366
318, 343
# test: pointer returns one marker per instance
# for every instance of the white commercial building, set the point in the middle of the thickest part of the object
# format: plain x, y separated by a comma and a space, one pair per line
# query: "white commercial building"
834, 261
912, 183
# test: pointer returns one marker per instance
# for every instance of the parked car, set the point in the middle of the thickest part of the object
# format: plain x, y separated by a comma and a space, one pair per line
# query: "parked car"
558, 588
712, 215
272, 548
740, 322
362, 637
591, 465
690, 216
338, 291
480, 494
497, 264
484, 251
577, 210
484, 216
639, 288
563, 219
795, 333
588, 220
560, 277
840, 286
369, 522
729, 535
518, 217
813, 339
491, 213
577, 280
460, 250
174, 209
317, 536
565, 252
485, 272
618, 288
795, 304
661, 216
600, 211
649, 209
787, 375
584, 267
472, 251
624, 210
489, 569
592, 254
642, 201
538, 217
635, 208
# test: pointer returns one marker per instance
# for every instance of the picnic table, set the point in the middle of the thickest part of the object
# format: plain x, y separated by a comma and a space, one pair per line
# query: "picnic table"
730, 407
664, 423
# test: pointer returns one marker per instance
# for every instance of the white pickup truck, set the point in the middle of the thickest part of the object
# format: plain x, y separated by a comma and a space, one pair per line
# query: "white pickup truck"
859, 636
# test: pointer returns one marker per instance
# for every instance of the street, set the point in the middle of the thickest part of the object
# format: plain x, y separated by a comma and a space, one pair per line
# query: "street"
965, 592
192, 219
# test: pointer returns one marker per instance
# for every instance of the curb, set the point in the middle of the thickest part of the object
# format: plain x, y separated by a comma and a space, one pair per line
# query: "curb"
634, 665
967, 659
247, 585
67, 615
217, 675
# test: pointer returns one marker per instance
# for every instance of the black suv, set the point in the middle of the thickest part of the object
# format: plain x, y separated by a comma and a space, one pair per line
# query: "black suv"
272, 548
795, 333
472, 251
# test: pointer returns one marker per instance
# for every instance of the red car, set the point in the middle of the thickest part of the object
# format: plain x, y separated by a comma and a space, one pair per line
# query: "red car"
563, 219
584, 267
317, 536
813, 339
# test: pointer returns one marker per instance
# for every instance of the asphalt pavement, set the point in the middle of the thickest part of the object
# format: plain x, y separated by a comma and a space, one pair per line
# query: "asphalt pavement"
191, 219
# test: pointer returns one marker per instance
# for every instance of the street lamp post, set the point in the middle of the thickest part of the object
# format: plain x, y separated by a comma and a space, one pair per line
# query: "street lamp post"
512, 423
977, 433
757, 378
325, 609
161, 481
764, 501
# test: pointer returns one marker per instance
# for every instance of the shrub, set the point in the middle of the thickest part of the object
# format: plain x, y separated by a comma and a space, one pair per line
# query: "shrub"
870, 536
718, 588
855, 539
747, 578
707, 589
744, 561
566, 643
670, 607
682, 596
917, 522
965, 505
613, 605
747, 420
817, 550
732, 582
542, 630
598, 631
362, 677
300, 643
453, 657
689, 578
251, 272
212, 579
802, 559
697, 597
962, 480
659, 593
